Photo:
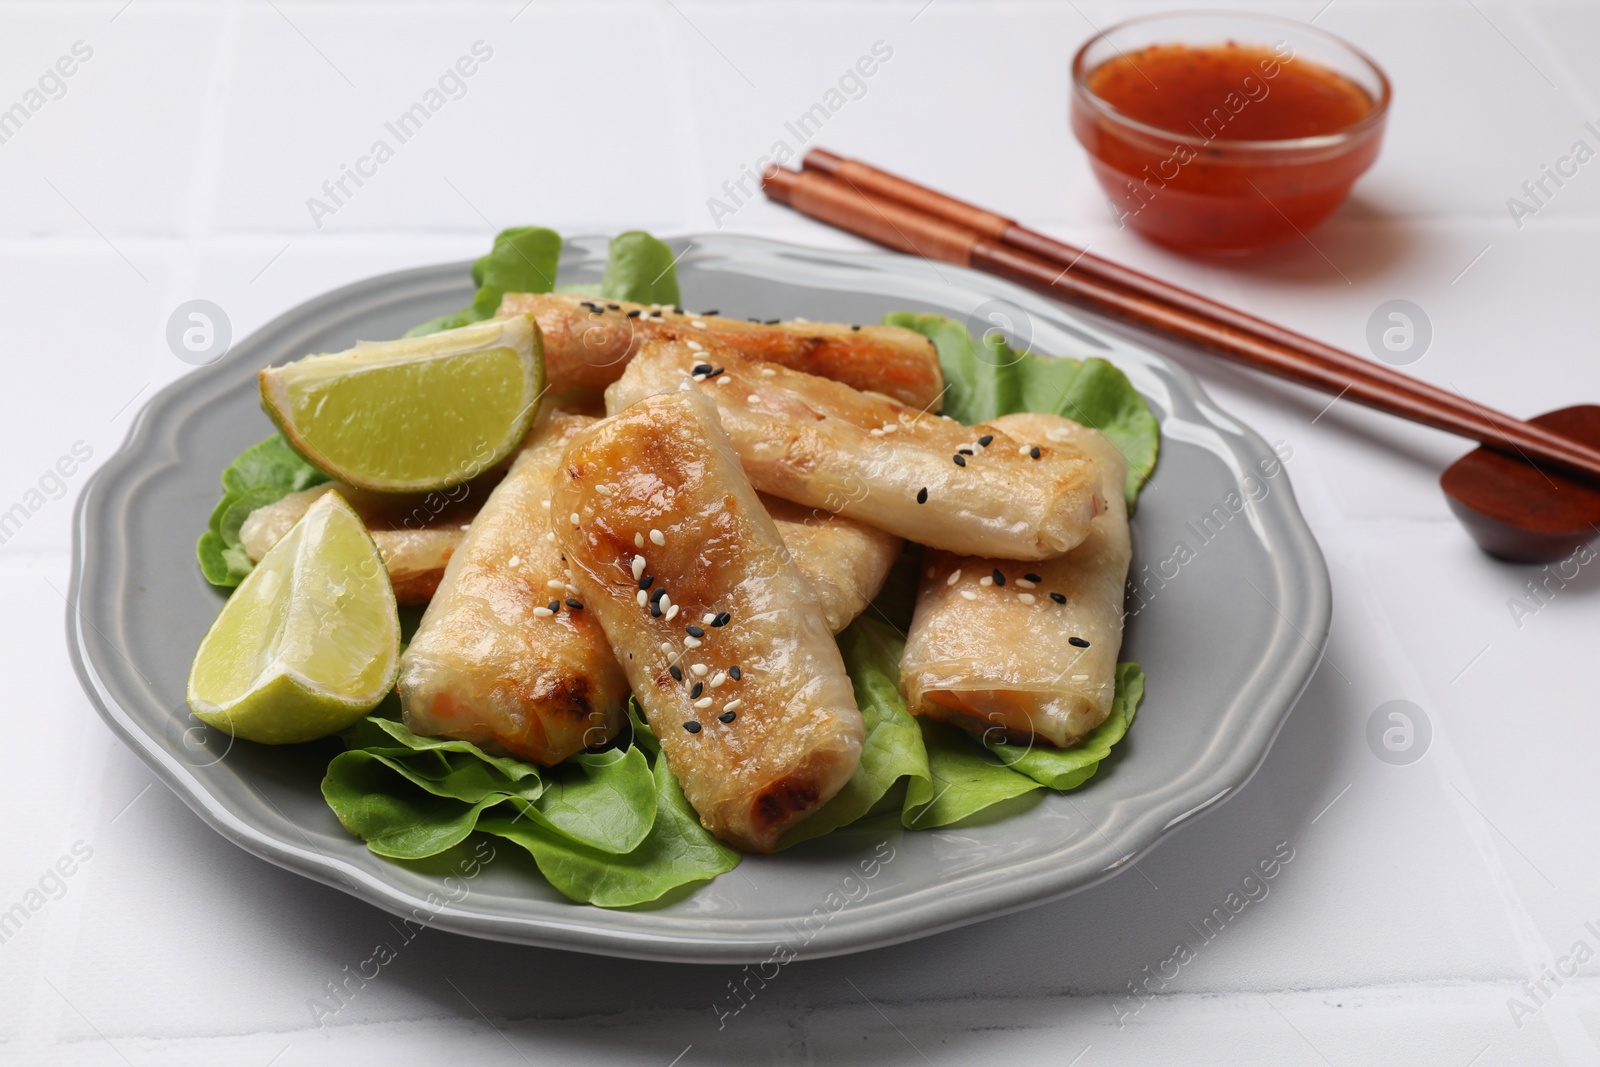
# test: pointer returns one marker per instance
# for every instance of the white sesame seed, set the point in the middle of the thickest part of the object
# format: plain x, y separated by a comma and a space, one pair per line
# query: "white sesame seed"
700, 670
544, 504
555, 583
890, 427
642, 597
638, 540
543, 612
551, 536
1023, 451
666, 648
955, 576
707, 619
718, 678
697, 346
514, 561
1080, 677
603, 490
1026, 584
1059, 435
703, 703
573, 518
671, 613
768, 372
666, 601
691, 642
874, 433
466, 526
574, 590
733, 705
1026, 598
698, 324
752, 399
657, 537
638, 567
724, 380
968, 594
986, 580
699, 377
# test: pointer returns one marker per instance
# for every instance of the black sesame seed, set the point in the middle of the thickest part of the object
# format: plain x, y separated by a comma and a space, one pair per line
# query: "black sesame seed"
734, 672
692, 727
676, 672
655, 609
1034, 578
773, 322
574, 604
855, 327
722, 619
677, 311
727, 716
633, 314
1058, 598
699, 687
714, 373
999, 579
1077, 642
646, 581
965, 451
922, 495
702, 368
986, 440
961, 461
695, 631
710, 313
658, 594
1034, 452
614, 307
554, 606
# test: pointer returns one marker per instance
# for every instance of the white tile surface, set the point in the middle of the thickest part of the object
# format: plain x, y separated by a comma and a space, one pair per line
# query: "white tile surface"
1420, 898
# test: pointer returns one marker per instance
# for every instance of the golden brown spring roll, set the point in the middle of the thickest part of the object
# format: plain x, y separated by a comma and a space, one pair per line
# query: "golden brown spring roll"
1017, 651
722, 639
588, 342
845, 561
505, 657
923, 477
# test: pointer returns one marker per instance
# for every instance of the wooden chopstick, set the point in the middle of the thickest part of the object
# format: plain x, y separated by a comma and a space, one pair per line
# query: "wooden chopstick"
911, 218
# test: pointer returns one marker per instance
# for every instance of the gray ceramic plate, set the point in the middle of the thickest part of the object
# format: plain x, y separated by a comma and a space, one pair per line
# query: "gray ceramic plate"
1229, 628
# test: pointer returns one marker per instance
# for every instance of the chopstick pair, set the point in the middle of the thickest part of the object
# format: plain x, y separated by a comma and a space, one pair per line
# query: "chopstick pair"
912, 218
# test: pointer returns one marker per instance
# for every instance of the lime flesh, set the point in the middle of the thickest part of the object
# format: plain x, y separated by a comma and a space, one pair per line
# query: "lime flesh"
412, 415
309, 642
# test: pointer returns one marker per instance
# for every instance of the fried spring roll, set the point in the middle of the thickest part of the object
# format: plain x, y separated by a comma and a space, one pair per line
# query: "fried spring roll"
588, 342
502, 658
416, 533
845, 561
722, 639
1025, 651
924, 477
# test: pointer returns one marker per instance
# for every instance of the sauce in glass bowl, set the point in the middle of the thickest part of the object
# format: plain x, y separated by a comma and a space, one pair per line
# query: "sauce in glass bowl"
1223, 145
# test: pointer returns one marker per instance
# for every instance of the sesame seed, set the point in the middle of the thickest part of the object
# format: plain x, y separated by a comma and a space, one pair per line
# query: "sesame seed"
735, 673
967, 594
922, 495
1033, 577
573, 518
574, 590
544, 504
733, 705
999, 579
655, 609
1058, 598
718, 678
1026, 598
676, 672
773, 322
955, 576
641, 598
513, 561
722, 619
703, 703
603, 490
574, 603
676, 310
986, 580
986, 440
638, 540
1034, 452
692, 727
638, 567
1077, 642
666, 648
724, 381
555, 583
713, 313
716, 372
1027, 583
660, 592
543, 613
700, 670
696, 346
646, 582
614, 307
964, 452
691, 642
707, 617
551, 536
664, 600
695, 631
751, 399
874, 433
671, 613
633, 314
698, 377
697, 324
554, 606
699, 687
657, 537
727, 716
1080, 677
960, 461
768, 372
702, 368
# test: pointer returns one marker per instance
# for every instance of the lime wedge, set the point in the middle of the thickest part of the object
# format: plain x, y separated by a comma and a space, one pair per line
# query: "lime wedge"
412, 415
309, 642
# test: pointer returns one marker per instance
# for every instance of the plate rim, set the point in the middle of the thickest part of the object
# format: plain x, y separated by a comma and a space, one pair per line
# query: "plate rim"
596, 930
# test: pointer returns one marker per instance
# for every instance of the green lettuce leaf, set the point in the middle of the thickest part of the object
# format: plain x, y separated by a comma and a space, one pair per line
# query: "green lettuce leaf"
990, 379
1068, 768
964, 779
523, 260
260, 475
893, 749
640, 269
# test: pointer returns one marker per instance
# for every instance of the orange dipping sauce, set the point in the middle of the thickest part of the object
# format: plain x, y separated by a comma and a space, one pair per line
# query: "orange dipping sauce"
1224, 147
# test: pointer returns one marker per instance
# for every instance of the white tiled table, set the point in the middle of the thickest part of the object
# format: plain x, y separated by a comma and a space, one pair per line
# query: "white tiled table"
177, 164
